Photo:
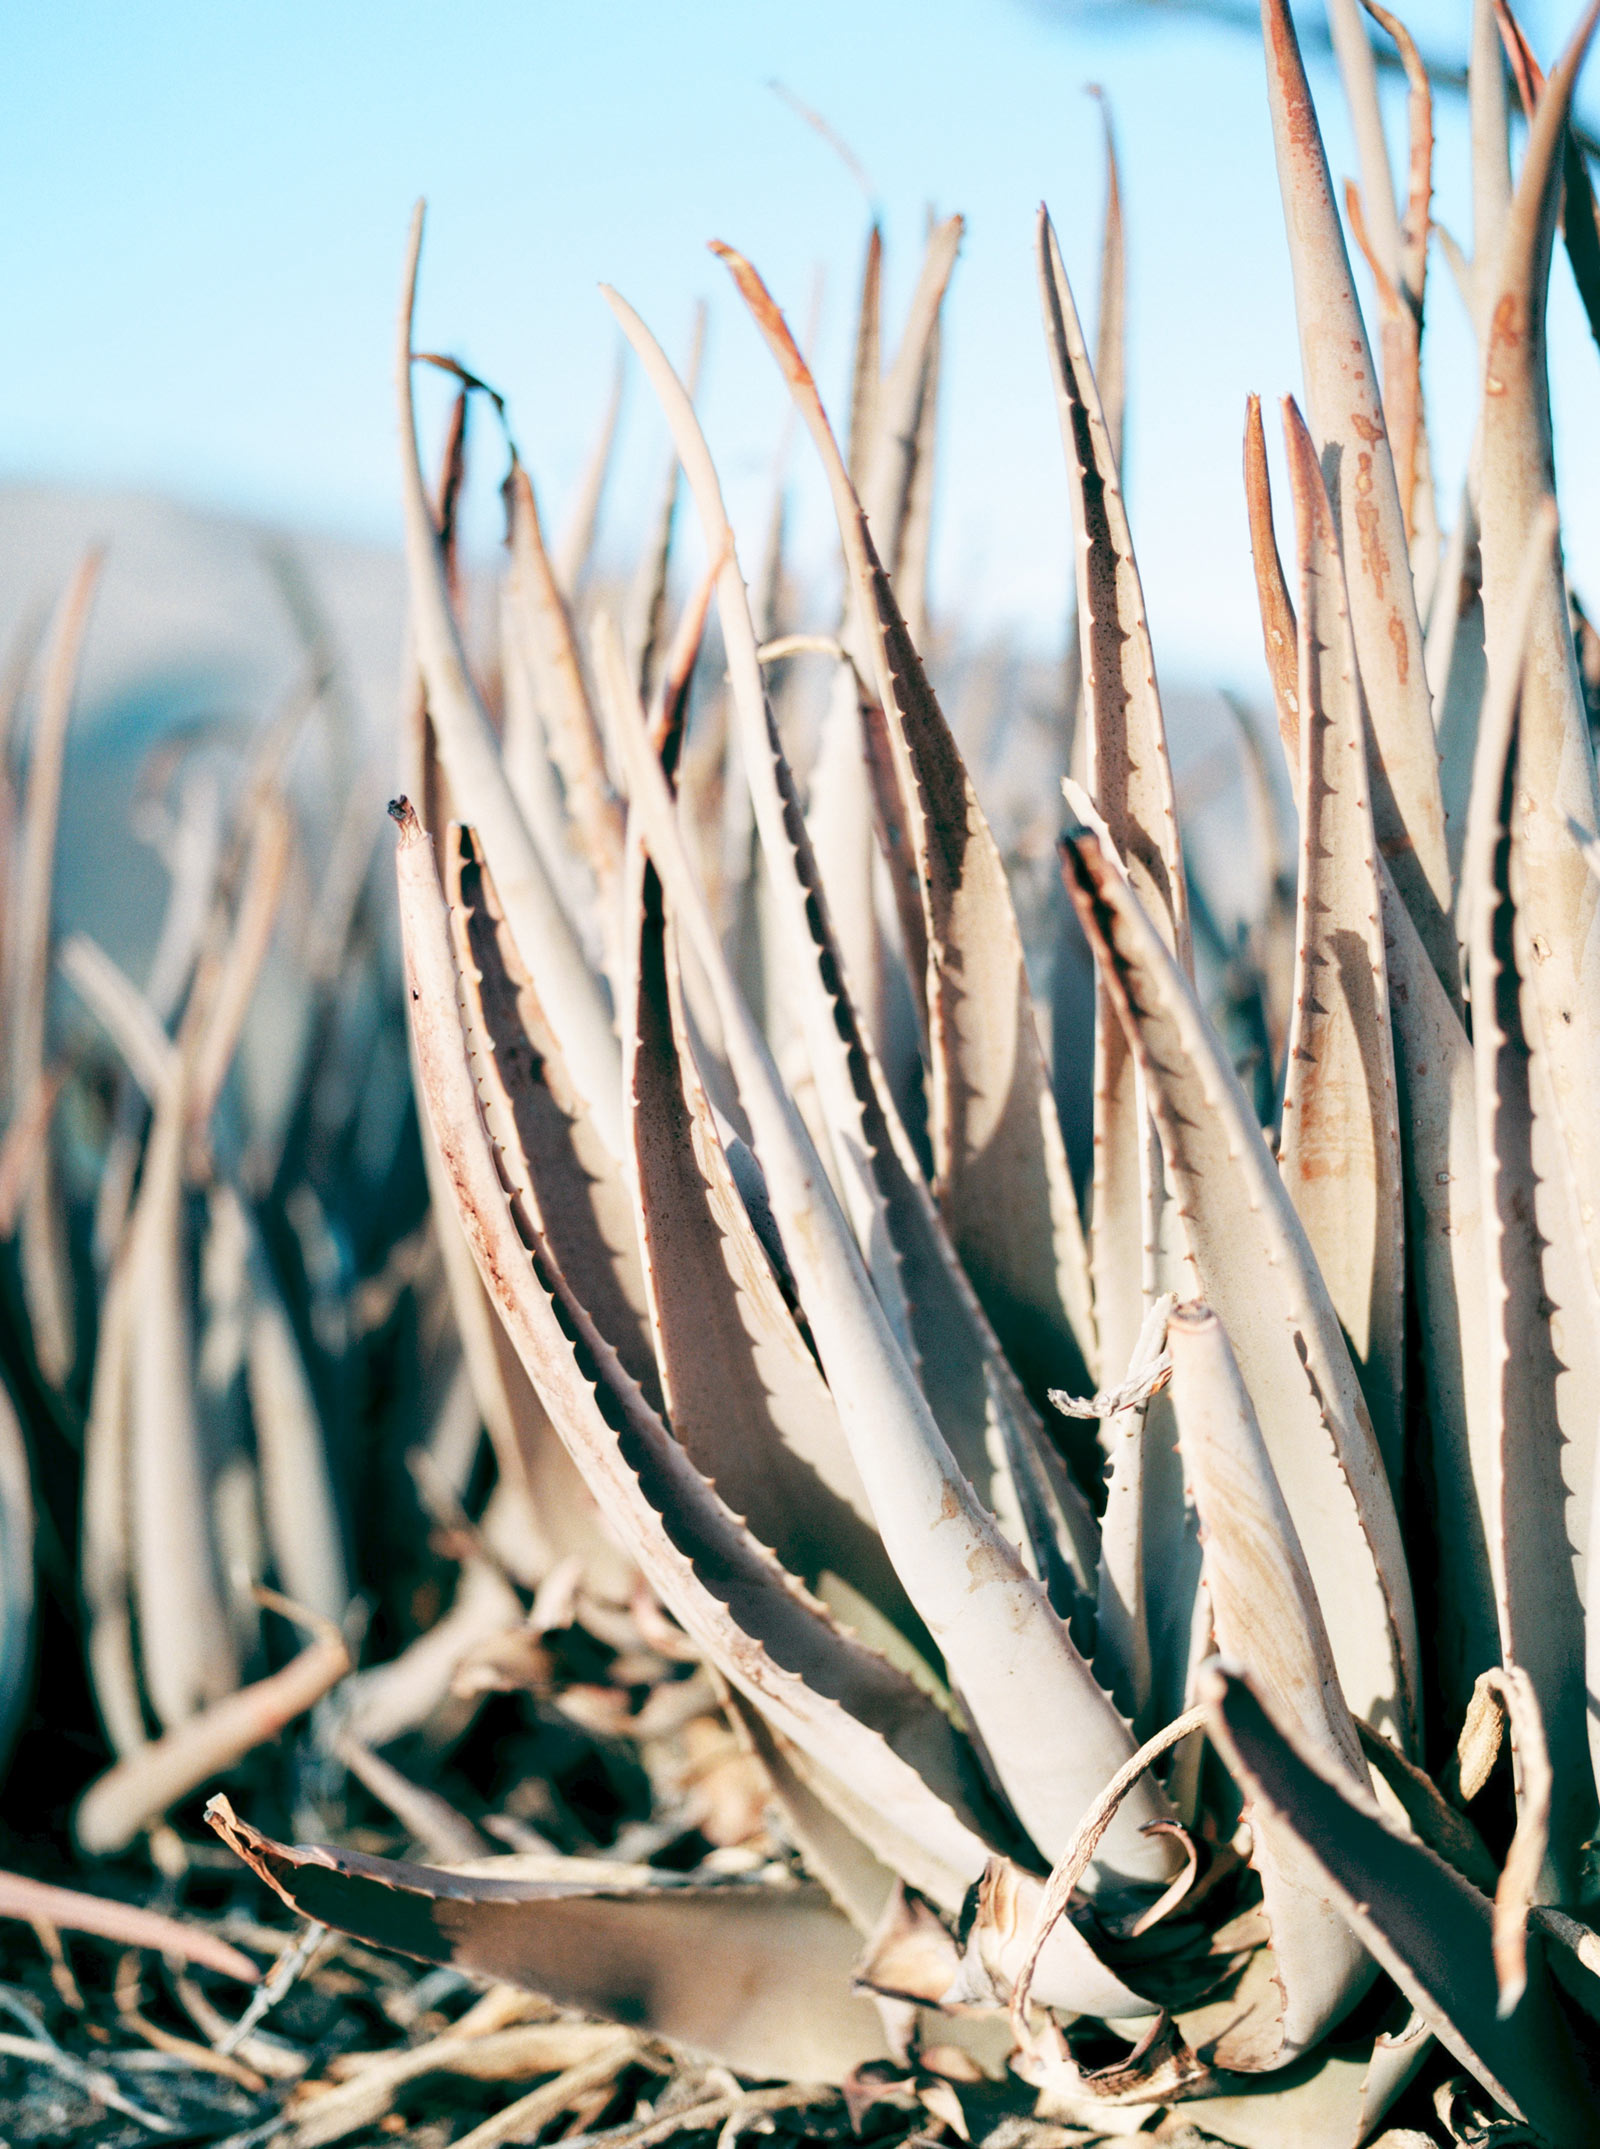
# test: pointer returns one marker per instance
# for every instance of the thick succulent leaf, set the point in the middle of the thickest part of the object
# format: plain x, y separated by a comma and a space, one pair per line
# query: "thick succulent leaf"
1541, 1434
1358, 73
1444, 1205
1331, 2100
1443, 1827
866, 370
743, 1394
1121, 1628
1263, 1605
298, 1503
907, 391
1339, 1150
1130, 774
16, 1575
21, 650
575, 547
832, 1827
1111, 319
840, 815
558, 1515
1456, 669
28, 914
1580, 227
139, 1788
1401, 1899
973, 1392
1000, 1945
1556, 897
634, 1948
1399, 270
574, 1190
229, 972
916, 534
1071, 1018
1279, 634
1005, 1647
1148, 1574
899, 862
1491, 154
1003, 1183
551, 652
531, 773
1579, 214
821, 1689
856, 1878
122, 1011
106, 1548
1271, 936
553, 1515
46, 1273
1256, 1270
186, 1644
1130, 778
803, 917
840, 826
647, 593
1347, 424
1266, 1617
568, 990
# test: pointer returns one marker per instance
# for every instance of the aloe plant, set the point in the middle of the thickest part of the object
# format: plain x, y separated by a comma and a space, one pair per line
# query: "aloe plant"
1145, 1763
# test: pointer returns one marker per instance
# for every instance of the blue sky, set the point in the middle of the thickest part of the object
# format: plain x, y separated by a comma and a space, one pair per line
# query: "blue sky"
205, 206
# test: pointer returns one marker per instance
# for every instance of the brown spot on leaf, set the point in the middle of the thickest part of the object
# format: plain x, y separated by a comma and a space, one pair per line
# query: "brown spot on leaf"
1374, 560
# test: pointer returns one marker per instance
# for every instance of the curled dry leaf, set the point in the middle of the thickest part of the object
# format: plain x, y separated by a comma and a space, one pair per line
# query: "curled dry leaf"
633, 1948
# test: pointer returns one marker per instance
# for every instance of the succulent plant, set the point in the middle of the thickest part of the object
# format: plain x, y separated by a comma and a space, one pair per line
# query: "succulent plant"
1140, 1758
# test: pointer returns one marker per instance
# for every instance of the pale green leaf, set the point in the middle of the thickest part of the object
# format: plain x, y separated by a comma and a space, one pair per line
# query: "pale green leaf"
1256, 1270
1428, 1927
1347, 424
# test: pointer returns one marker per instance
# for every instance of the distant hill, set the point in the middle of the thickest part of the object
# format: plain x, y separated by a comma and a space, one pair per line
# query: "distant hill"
194, 630
190, 613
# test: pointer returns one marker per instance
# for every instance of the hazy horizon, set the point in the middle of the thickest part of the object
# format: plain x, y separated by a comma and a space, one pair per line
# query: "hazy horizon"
209, 213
